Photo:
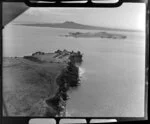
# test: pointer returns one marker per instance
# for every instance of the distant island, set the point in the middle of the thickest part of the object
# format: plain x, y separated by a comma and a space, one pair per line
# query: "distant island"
95, 35
73, 25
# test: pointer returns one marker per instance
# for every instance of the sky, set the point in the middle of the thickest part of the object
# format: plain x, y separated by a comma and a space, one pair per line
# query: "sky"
127, 16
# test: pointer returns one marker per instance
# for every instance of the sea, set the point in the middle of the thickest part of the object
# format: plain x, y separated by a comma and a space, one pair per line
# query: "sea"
112, 74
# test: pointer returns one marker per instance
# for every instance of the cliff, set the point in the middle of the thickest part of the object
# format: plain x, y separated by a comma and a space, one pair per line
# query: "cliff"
68, 78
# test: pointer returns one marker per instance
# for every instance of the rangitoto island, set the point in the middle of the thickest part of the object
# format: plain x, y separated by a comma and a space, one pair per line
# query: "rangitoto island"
73, 25
95, 35
37, 84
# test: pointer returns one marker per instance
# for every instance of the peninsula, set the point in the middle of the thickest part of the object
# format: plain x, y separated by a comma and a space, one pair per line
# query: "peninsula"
37, 85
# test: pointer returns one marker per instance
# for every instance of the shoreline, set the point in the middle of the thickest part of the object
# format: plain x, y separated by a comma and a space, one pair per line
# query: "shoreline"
68, 78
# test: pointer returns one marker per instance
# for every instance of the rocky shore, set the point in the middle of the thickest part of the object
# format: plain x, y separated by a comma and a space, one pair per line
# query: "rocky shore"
40, 74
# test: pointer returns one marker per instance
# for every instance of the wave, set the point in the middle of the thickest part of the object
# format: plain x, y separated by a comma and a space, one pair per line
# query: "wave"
81, 71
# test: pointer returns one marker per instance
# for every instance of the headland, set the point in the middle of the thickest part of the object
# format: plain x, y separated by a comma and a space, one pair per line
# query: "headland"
37, 85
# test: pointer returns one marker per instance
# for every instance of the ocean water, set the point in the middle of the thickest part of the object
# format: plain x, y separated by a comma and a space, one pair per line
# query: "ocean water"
112, 71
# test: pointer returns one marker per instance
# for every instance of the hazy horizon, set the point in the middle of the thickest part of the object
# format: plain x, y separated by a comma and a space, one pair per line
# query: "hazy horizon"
73, 22
128, 16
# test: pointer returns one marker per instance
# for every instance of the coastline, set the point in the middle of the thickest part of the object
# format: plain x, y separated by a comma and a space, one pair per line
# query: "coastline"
68, 78
41, 91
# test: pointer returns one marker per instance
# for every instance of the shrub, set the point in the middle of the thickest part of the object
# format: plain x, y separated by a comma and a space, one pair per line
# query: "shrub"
31, 58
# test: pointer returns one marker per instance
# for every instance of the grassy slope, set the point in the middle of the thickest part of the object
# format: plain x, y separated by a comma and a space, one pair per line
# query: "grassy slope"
27, 84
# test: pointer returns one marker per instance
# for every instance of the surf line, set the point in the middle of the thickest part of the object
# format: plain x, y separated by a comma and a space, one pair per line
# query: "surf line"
68, 79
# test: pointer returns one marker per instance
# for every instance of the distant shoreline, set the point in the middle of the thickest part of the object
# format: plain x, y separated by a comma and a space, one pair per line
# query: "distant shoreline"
74, 25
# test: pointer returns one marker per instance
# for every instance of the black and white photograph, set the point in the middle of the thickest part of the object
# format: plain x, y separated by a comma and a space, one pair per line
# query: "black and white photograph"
75, 62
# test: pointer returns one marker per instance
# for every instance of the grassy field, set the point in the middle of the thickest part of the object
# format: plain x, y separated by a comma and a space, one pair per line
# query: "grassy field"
27, 84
